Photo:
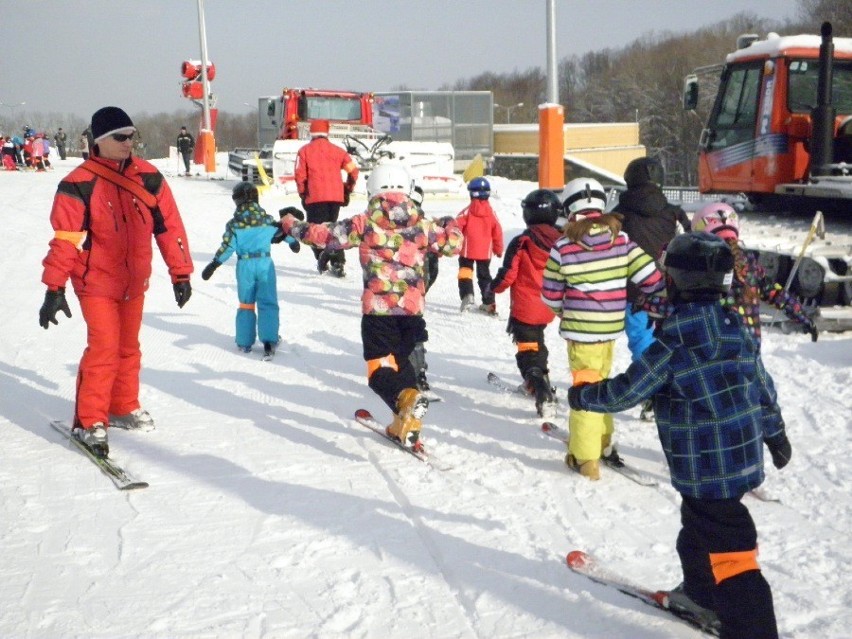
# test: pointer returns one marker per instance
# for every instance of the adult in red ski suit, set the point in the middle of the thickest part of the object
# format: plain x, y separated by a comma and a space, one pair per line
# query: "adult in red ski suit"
321, 188
483, 237
104, 216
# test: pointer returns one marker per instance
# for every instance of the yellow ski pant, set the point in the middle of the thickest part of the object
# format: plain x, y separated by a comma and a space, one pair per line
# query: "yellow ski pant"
589, 432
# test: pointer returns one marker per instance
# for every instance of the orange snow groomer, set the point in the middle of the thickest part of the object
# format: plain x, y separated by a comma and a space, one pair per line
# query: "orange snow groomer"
104, 216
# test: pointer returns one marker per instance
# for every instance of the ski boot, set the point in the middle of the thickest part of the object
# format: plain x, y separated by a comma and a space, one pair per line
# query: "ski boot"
609, 455
590, 468
322, 262
139, 419
538, 383
467, 303
411, 406
678, 600
269, 349
336, 270
94, 438
489, 309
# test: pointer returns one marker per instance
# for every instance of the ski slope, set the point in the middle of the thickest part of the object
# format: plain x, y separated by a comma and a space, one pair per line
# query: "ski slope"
271, 513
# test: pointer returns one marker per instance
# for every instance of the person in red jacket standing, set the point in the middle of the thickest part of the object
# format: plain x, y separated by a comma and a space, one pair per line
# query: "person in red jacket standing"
522, 273
321, 189
104, 215
483, 237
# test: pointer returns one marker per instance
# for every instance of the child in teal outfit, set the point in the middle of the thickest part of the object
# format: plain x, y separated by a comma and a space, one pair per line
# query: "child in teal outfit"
250, 234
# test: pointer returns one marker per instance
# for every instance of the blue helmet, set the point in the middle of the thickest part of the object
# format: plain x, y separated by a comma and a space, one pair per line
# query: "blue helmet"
479, 188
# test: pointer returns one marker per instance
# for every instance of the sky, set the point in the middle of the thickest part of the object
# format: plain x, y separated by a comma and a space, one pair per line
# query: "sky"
272, 515
78, 55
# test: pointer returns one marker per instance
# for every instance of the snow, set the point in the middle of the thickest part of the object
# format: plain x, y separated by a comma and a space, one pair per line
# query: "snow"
270, 513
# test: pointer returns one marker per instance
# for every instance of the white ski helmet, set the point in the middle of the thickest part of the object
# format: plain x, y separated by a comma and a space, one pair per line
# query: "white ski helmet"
389, 177
582, 194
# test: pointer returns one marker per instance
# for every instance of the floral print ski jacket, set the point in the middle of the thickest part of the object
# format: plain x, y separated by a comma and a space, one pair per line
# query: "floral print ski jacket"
392, 238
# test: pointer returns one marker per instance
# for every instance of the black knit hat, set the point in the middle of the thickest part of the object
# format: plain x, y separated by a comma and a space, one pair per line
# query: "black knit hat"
109, 120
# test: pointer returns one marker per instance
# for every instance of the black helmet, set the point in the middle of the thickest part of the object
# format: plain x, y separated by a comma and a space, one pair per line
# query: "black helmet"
644, 171
541, 207
699, 266
244, 192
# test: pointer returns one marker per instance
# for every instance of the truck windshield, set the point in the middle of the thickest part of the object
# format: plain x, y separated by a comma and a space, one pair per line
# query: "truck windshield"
333, 108
804, 76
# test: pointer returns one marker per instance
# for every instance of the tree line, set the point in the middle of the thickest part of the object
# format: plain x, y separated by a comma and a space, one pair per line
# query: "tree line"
640, 82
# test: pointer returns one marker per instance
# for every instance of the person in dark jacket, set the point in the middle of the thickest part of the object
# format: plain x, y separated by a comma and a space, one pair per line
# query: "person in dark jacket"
61, 140
651, 222
715, 407
522, 274
185, 146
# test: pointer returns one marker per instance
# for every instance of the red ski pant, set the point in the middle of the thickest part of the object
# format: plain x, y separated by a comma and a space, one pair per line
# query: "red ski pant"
108, 377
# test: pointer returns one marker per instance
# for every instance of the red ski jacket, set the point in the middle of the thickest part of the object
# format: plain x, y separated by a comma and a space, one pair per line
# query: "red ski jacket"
523, 273
482, 231
318, 167
102, 232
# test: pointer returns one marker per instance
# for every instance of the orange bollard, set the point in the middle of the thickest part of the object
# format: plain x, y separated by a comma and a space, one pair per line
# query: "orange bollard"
551, 146
208, 150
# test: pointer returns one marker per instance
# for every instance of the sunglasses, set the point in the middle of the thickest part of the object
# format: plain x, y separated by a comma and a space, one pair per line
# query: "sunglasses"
121, 137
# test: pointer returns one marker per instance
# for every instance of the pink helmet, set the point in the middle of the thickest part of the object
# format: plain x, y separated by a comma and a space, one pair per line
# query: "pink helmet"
719, 219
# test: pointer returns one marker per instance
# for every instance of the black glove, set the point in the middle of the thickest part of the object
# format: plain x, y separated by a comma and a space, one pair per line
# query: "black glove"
780, 449
276, 239
54, 301
206, 274
445, 221
813, 330
295, 246
574, 397
183, 291
346, 195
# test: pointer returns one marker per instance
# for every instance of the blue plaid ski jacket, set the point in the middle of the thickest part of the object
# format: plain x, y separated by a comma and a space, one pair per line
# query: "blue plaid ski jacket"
714, 402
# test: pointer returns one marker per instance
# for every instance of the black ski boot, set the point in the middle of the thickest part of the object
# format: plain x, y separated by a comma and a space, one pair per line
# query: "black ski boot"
545, 402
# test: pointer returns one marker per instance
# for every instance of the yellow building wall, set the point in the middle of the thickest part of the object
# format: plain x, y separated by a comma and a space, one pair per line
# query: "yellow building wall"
610, 146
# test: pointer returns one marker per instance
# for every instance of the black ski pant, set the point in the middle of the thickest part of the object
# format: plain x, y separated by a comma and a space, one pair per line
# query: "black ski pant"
529, 339
320, 213
483, 278
717, 545
388, 341
430, 266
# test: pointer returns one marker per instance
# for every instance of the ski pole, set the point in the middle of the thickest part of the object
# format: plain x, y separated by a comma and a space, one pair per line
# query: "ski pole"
817, 227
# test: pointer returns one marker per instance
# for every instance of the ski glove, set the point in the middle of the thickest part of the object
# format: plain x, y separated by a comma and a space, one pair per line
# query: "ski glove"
287, 223
780, 449
183, 291
294, 245
291, 210
445, 221
574, 397
208, 271
54, 301
346, 194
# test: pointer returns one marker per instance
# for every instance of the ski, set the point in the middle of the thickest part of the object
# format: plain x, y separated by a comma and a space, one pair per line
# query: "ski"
584, 564
365, 418
122, 479
631, 473
496, 380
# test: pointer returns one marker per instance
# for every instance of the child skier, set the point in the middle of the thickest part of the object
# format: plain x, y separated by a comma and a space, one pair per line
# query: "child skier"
715, 407
522, 274
392, 238
751, 284
249, 234
483, 236
585, 282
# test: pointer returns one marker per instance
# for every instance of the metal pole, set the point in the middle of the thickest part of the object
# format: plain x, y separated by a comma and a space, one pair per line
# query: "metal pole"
202, 33
552, 72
